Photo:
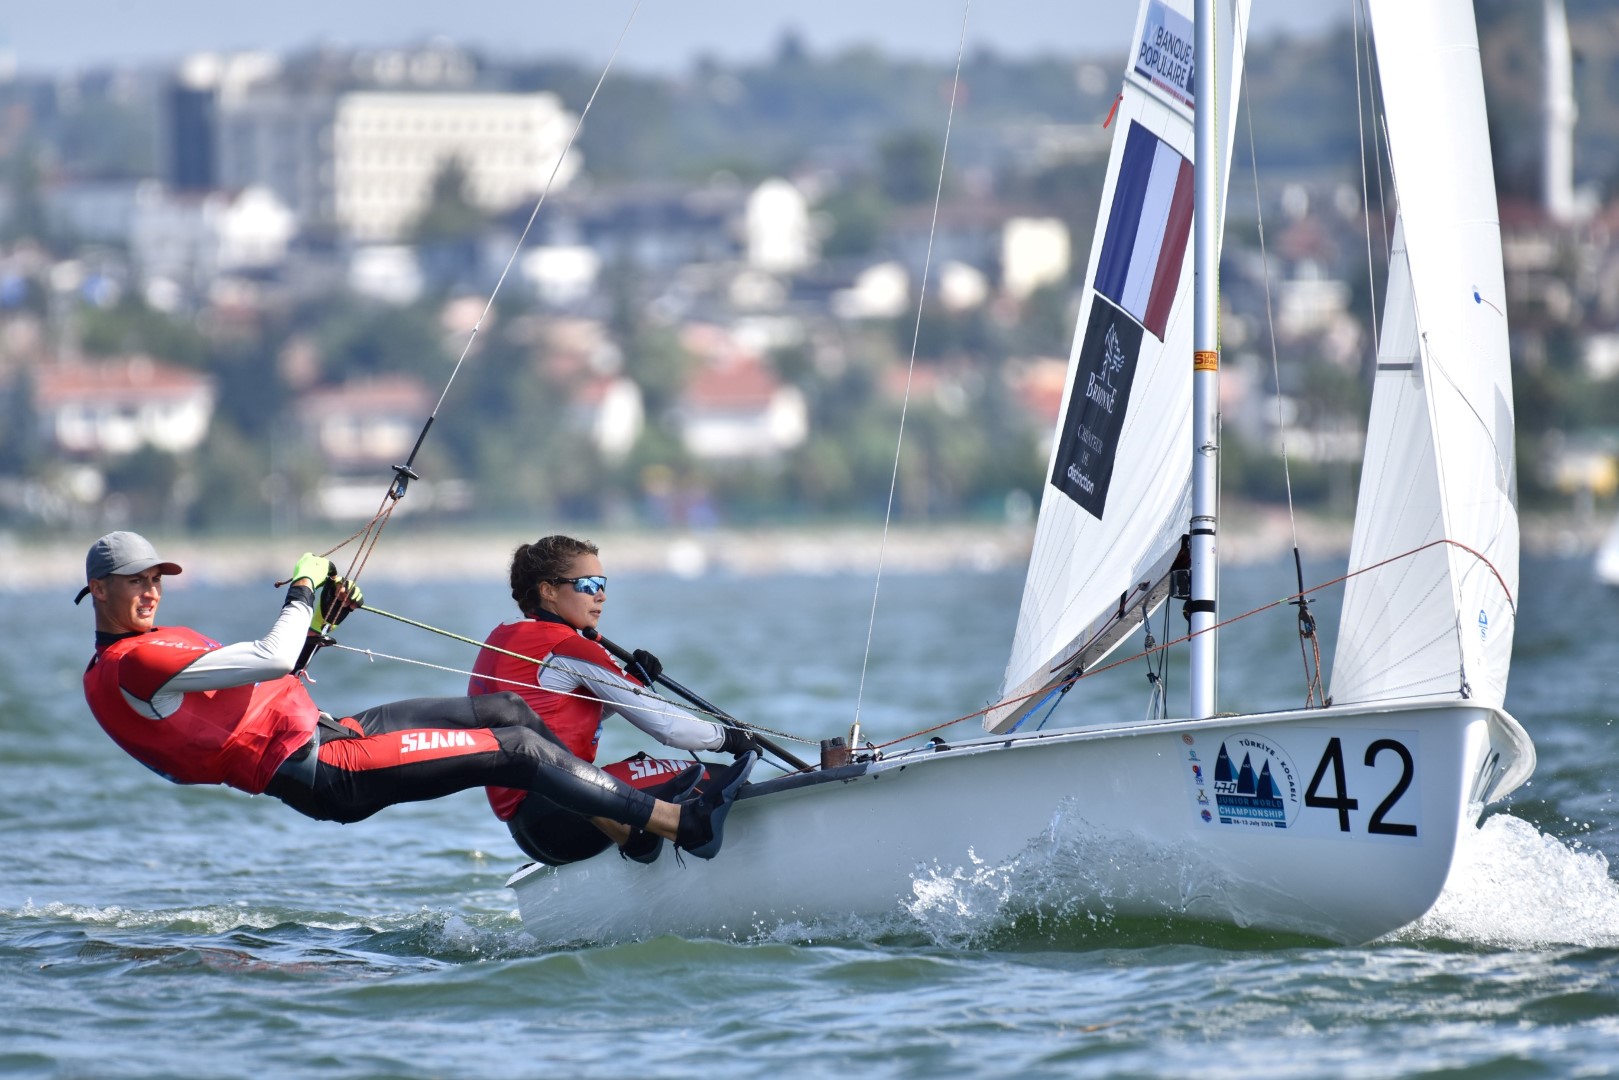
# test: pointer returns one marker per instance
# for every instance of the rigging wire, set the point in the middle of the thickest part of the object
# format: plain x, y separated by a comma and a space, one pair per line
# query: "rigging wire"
1165, 646
916, 333
1306, 621
1270, 313
1374, 90
371, 533
1365, 184
674, 708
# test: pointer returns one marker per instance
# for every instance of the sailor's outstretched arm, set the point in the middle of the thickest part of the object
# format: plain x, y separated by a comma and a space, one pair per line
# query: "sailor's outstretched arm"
668, 723
246, 662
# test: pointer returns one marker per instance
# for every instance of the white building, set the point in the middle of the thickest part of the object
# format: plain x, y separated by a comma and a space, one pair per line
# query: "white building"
1034, 252
386, 149
118, 406
191, 239
387, 272
777, 223
98, 211
608, 410
738, 410
882, 291
364, 161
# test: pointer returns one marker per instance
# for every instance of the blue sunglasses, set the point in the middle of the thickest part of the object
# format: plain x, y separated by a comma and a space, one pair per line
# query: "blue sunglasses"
590, 586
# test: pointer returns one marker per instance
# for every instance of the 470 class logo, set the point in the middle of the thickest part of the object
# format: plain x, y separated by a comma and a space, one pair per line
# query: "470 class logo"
1255, 783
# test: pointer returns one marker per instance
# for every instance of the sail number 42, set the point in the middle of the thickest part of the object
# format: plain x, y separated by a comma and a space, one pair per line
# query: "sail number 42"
1330, 774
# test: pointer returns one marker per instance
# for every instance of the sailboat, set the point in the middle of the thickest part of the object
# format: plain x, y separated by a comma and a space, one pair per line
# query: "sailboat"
1338, 821
1606, 565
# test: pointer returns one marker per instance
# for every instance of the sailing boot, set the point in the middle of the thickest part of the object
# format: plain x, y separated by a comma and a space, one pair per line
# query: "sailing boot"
702, 820
644, 847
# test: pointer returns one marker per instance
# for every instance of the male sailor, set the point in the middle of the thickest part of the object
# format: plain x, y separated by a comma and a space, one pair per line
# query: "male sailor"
198, 712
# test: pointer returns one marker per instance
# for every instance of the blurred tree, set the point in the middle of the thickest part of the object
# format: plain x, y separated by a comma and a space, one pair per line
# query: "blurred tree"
146, 482
26, 217
909, 167
857, 215
450, 216
132, 326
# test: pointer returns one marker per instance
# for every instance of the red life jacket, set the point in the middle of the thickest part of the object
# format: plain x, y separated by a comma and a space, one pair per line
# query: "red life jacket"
237, 736
575, 718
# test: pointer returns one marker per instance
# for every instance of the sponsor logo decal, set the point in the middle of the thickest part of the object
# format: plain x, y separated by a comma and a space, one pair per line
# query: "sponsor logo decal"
413, 741
1255, 783
1165, 55
643, 768
1097, 406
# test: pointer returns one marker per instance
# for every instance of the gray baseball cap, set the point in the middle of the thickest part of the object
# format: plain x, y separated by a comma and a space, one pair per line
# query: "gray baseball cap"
122, 553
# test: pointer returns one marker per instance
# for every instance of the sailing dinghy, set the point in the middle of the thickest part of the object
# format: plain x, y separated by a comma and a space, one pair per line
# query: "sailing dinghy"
1606, 564
1339, 821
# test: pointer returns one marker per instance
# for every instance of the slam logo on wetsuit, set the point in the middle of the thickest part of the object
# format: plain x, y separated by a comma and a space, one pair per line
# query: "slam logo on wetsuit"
434, 740
1096, 406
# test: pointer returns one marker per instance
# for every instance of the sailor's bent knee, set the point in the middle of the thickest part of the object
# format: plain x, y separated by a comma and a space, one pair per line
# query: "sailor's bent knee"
528, 743
505, 709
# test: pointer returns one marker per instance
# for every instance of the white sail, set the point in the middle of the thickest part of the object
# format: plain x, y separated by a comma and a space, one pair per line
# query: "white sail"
1607, 558
1430, 608
1117, 494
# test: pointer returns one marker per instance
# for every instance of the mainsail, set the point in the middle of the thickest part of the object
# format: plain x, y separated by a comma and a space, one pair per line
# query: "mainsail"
1430, 608
1117, 494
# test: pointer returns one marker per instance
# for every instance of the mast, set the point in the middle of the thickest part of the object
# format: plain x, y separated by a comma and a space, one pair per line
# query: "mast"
1557, 168
1203, 609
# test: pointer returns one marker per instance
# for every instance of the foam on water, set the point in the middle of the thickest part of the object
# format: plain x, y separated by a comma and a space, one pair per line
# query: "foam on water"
1514, 886
213, 919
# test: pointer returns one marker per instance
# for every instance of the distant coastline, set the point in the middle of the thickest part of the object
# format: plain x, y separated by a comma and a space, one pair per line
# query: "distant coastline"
482, 553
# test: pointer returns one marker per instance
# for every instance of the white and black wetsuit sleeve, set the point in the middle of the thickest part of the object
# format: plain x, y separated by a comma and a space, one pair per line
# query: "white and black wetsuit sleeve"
247, 662
669, 724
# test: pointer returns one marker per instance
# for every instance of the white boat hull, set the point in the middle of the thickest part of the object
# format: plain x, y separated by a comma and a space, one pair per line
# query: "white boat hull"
1355, 841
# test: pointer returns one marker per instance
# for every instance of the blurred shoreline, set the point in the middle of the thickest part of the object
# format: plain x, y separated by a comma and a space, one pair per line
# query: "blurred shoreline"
482, 553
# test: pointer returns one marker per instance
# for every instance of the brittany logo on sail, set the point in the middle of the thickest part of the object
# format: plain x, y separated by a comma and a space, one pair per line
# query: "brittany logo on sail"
1262, 791
1100, 389
1097, 405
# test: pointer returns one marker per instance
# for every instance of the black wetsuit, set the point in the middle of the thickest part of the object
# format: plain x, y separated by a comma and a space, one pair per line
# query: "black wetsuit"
424, 748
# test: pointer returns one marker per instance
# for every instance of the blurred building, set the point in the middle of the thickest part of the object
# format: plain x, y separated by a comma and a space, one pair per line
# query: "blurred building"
356, 147
735, 408
386, 148
116, 407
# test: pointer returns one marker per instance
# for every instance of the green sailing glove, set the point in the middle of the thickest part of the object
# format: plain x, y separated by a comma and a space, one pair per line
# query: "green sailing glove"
317, 568
338, 597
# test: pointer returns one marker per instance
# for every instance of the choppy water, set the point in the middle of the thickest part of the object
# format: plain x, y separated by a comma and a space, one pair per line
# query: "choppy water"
150, 930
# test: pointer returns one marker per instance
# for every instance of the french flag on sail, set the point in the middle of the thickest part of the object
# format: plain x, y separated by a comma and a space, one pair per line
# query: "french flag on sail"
1147, 230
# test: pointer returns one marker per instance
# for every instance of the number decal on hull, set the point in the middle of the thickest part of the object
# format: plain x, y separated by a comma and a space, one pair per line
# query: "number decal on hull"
1340, 799
1377, 824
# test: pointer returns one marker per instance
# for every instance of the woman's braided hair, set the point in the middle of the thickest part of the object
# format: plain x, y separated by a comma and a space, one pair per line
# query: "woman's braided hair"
546, 559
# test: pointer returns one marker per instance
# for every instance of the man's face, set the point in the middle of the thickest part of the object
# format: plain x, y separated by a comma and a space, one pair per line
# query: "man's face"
127, 603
